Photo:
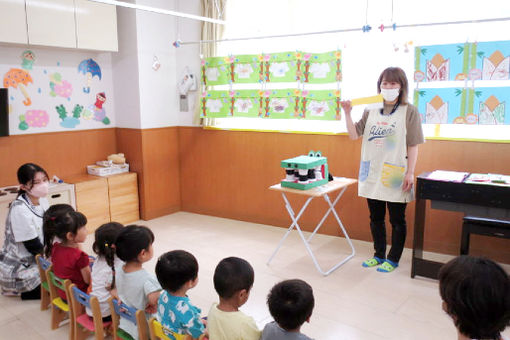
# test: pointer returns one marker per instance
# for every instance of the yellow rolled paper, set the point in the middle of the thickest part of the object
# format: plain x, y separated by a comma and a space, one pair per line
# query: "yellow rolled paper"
367, 100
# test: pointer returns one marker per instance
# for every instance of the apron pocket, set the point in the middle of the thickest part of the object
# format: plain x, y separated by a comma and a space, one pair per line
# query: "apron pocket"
392, 176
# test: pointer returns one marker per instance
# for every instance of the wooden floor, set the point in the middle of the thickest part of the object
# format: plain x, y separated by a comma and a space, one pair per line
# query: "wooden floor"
351, 303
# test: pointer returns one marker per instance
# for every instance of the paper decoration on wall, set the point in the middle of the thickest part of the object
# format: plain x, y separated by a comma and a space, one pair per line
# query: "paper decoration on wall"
96, 111
472, 61
276, 67
484, 105
69, 122
27, 59
16, 77
33, 118
59, 87
90, 69
277, 104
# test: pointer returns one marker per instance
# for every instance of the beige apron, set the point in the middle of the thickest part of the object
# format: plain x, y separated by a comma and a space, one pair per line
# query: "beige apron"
383, 157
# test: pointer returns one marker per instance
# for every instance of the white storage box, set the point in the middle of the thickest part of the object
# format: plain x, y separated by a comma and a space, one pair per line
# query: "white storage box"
97, 170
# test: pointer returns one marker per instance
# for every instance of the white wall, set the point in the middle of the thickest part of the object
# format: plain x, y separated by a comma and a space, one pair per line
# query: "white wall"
189, 55
125, 71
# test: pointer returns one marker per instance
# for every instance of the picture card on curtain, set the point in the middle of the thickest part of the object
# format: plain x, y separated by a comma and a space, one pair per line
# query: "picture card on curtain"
322, 68
484, 105
442, 62
246, 69
279, 67
215, 71
320, 105
493, 59
215, 104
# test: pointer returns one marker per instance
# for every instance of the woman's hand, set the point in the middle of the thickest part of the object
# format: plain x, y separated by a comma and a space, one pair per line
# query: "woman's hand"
346, 106
408, 182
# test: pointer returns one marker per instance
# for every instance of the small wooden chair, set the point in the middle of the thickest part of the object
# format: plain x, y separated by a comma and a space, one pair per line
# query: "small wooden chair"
84, 325
133, 315
59, 308
159, 332
43, 265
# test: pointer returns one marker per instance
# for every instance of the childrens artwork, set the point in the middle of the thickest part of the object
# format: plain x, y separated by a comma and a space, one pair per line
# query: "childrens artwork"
494, 59
320, 105
473, 61
16, 77
72, 121
216, 70
275, 67
484, 105
215, 104
245, 69
244, 103
27, 59
59, 87
90, 69
322, 68
278, 67
96, 111
277, 103
442, 62
33, 118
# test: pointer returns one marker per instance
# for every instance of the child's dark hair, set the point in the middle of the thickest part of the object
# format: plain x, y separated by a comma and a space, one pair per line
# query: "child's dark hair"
131, 240
175, 268
232, 274
291, 303
476, 292
59, 220
104, 237
26, 174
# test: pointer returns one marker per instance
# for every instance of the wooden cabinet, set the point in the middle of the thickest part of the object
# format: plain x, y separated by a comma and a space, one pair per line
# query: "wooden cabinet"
123, 196
104, 199
51, 23
92, 199
60, 23
13, 22
96, 26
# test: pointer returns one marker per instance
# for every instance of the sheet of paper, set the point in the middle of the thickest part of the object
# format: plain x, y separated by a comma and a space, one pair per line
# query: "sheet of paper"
448, 176
367, 100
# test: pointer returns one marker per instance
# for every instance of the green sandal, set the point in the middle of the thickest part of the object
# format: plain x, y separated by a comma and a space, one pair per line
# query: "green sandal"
387, 266
374, 261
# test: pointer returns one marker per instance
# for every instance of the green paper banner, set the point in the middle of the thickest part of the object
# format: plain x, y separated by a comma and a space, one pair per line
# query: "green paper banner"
274, 104
283, 67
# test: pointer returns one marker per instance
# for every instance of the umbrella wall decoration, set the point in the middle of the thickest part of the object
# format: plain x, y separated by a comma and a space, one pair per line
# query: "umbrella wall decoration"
90, 69
16, 77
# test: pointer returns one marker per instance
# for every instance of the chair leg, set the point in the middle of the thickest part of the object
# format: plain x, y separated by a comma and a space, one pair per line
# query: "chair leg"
464, 243
45, 299
57, 316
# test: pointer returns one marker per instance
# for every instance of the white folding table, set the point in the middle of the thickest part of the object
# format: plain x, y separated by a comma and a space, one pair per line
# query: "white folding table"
320, 191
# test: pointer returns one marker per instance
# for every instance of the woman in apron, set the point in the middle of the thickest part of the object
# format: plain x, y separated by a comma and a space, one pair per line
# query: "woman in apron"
19, 274
389, 151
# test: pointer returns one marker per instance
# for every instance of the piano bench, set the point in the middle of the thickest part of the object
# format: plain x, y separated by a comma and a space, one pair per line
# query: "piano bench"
482, 226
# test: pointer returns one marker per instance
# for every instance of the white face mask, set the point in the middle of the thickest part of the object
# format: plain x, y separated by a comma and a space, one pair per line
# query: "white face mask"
40, 190
390, 95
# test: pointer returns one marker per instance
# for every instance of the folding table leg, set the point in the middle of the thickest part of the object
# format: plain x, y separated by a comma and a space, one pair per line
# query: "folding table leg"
327, 214
294, 221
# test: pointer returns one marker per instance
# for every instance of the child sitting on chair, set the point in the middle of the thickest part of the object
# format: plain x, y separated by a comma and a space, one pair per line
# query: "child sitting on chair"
177, 272
476, 295
135, 286
233, 279
290, 303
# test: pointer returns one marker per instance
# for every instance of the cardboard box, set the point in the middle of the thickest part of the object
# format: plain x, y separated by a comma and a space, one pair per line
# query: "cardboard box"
97, 170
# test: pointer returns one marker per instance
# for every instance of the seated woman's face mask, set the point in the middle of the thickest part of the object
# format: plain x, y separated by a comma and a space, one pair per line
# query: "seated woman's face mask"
390, 95
40, 189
